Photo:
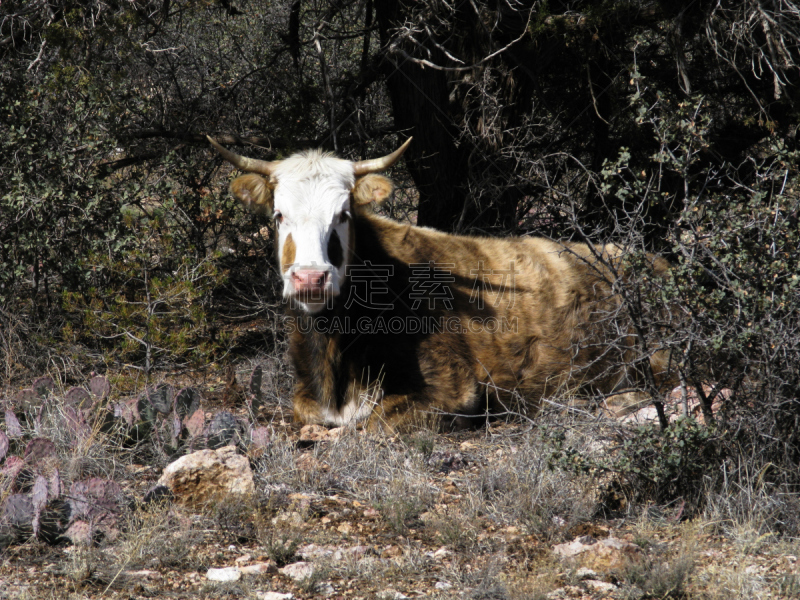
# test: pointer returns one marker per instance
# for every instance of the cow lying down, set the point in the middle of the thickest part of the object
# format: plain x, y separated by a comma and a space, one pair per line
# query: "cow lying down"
392, 324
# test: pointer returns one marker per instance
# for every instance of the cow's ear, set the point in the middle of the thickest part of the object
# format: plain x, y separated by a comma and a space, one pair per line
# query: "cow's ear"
254, 192
372, 188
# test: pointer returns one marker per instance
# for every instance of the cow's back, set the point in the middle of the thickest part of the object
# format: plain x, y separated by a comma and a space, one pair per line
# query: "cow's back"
536, 316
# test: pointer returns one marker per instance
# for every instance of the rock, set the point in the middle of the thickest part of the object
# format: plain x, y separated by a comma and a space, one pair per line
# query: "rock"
391, 594
599, 586
442, 585
674, 406
259, 568
314, 552
584, 573
224, 574
345, 528
273, 596
298, 571
236, 573
209, 476
600, 555
318, 433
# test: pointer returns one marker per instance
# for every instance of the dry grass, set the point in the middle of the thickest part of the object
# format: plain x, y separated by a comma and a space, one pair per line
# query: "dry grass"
468, 515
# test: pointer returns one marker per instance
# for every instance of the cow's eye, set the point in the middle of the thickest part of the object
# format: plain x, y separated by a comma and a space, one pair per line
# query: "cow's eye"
343, 216
278, 217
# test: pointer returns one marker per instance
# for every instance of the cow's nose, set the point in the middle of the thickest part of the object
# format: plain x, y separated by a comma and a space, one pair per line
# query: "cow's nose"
309, 280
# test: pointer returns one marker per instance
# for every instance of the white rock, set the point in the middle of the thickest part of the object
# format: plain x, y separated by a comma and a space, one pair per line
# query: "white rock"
273, 596
314, 552
443, 585
600, 555
391, 595
298, 571
224, 574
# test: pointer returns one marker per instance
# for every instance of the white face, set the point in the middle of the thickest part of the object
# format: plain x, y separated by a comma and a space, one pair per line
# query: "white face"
311, 206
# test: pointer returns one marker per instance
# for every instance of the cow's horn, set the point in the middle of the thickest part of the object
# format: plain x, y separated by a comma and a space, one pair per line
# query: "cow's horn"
380, 164
253, 165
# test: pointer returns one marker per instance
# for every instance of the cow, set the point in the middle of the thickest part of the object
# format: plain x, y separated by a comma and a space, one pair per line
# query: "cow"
390, 323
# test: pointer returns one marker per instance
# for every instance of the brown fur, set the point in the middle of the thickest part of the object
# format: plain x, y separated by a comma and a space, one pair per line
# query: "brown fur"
372, 188
289, 252
254, 192
557, 323
562, 307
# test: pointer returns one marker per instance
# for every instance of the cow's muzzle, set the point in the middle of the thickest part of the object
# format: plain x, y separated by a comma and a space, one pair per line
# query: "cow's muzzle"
310, 281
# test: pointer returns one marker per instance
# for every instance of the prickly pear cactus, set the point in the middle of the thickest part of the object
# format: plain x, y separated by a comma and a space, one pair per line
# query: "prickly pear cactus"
18, 513
195, 424
43, 386
31, 500
4, 443
26, 400
40, 451
127, 411
223, 430
79, 399
255, 398
187, 401
160, 398
99, 387
99, 503
260, 439
53, 521
11, 470
13, 428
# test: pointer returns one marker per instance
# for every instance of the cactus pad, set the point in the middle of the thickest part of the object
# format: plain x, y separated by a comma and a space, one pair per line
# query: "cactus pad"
100, 387
39, 451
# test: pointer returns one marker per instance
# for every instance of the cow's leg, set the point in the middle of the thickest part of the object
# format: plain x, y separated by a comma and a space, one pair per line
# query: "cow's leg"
399, 412
305, 407
459, 406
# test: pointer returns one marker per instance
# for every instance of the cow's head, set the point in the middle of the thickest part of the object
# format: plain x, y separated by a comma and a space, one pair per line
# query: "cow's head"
312, 197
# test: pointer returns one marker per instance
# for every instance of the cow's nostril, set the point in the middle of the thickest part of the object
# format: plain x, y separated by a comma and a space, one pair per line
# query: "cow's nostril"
309, 280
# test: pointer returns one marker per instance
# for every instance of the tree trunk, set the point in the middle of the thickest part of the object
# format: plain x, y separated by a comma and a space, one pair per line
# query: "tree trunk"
420, 100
